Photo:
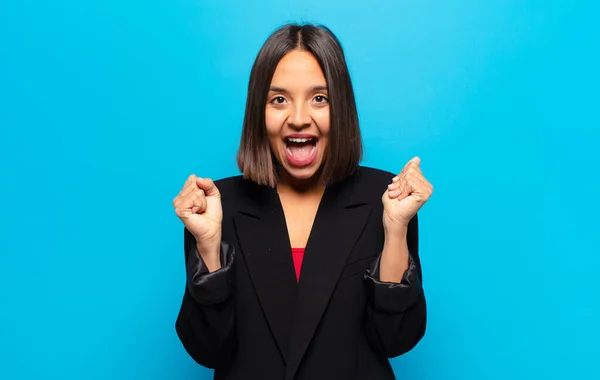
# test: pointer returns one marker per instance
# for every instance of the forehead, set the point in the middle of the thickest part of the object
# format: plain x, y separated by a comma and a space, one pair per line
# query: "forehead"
298, 68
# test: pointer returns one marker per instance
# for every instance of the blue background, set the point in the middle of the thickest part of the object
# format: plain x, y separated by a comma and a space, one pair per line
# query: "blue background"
107, 106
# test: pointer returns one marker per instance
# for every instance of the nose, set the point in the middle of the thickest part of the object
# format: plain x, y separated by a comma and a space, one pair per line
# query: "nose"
300, 117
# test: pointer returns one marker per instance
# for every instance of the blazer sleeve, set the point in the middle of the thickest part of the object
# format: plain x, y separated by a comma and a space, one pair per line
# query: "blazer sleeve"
396, 312
206, 320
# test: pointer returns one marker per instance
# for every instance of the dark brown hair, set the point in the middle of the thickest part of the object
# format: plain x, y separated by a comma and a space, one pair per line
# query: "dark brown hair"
344, 151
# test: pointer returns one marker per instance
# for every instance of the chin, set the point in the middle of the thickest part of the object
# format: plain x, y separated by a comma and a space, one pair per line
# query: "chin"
302, 174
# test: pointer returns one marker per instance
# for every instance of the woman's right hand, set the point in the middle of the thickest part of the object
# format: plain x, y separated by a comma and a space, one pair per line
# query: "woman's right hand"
198, 205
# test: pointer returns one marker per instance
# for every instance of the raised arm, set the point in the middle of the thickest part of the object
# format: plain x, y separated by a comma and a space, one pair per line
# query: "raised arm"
206, 321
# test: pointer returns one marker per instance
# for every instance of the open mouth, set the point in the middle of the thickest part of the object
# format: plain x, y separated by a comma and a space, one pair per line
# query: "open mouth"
301, 151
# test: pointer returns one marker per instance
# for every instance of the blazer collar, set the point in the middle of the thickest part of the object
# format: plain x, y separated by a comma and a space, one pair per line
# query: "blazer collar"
293, 310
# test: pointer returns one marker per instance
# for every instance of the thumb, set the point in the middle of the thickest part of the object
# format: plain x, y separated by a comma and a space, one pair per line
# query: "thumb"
416, 160
209, 187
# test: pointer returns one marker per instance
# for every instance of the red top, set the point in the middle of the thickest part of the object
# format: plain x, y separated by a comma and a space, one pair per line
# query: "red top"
297, 255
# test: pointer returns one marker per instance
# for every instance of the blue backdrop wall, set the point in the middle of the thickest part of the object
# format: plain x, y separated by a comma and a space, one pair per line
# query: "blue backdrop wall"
107, 106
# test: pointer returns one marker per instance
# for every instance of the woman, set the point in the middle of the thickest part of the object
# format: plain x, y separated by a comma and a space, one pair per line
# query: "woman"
307, 266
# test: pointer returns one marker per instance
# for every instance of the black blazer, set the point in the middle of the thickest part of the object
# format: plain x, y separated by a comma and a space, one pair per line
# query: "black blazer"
251, 319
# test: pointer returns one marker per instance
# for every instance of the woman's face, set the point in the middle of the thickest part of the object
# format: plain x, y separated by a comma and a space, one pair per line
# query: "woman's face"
297, 115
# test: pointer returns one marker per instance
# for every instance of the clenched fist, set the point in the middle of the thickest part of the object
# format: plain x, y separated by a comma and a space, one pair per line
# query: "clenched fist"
198, 205
406, 194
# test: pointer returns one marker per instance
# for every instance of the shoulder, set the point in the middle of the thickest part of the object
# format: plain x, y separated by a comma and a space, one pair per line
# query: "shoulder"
228, 183
231, 187
369, 179
239, 190
367, 184
374, 175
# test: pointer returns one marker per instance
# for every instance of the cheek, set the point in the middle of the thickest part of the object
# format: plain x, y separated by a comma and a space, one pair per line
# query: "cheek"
322, 121
273, 122
273, 126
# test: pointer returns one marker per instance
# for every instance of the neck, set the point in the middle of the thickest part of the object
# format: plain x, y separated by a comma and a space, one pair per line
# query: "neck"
310, 186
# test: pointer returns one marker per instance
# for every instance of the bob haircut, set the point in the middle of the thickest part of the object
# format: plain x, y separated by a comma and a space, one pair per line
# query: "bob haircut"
344, 151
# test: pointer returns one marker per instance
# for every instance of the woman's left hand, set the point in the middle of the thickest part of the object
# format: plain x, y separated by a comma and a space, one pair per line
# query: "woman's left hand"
407, 193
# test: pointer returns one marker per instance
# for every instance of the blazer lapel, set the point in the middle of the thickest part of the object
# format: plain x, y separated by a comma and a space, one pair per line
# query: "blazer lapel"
340, 220
264, 241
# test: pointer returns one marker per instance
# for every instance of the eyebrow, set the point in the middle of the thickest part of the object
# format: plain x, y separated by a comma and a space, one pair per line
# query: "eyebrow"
281, 89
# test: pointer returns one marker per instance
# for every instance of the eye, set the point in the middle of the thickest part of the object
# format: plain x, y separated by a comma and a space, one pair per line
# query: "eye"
320, 99
278, 100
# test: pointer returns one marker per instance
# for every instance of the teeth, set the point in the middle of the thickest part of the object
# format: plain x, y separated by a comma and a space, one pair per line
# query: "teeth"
299, 140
